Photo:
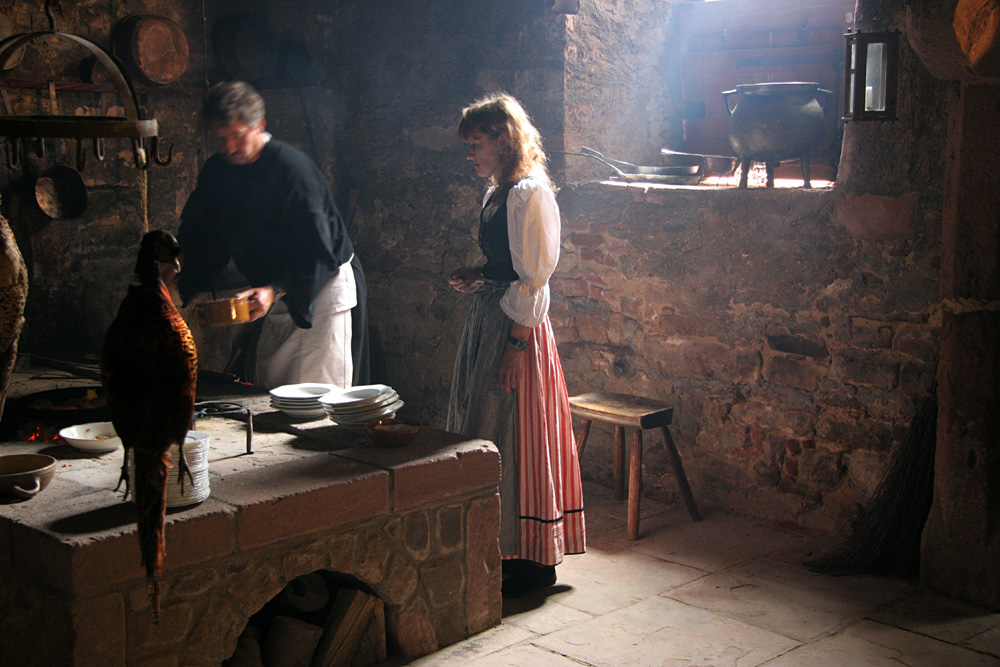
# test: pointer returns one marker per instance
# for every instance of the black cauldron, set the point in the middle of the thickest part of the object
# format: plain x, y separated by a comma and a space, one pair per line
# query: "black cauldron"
772, 122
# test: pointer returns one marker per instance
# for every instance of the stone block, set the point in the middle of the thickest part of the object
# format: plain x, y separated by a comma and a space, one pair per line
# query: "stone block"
836, 395
875, 218
868, 333
437, 466
693, 358
99, 628
417, 535
840, 431
149, 641
444, 582
581, 240
302, 497
449, 625
781, 418
54, 547
792, 370
569, 287
800, 344
450, 526
593, 328
483, 604
401, 581
821, 467
877, 369
672, 324
410, 632
916, 377
917, 340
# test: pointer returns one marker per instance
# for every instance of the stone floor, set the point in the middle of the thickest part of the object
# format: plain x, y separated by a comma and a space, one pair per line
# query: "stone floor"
729, 591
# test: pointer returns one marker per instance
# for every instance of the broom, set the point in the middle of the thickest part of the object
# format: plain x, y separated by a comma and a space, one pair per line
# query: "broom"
885, 536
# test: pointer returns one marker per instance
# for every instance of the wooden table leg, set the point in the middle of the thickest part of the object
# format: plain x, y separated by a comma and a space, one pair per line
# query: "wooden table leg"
581, 438
619, 462
682, 481
635, 484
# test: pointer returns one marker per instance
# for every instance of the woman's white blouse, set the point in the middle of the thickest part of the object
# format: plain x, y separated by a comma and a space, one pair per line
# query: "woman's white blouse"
533, 227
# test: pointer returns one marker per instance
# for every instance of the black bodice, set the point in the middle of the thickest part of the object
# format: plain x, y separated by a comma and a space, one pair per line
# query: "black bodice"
495, 244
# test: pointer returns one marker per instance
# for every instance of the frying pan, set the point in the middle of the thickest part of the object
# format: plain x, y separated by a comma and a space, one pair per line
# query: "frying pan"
631, 173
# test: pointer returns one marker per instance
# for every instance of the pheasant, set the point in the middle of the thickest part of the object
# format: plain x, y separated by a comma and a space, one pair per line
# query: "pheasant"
149, 368
13, 296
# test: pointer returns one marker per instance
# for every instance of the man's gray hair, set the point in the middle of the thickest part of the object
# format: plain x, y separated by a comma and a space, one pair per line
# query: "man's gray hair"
231, 102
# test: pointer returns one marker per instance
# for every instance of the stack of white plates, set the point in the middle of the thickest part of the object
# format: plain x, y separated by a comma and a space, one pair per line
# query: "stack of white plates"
356, 406
197, 488
301, 401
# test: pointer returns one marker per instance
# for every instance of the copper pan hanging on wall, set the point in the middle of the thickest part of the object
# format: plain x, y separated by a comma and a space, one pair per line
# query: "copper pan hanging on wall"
153, 48
61, 193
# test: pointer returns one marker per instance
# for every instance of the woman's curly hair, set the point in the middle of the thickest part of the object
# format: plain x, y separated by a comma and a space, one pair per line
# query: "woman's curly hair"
500, 116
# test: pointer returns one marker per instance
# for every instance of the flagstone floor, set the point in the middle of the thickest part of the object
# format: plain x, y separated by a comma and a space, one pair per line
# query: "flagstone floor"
729, 591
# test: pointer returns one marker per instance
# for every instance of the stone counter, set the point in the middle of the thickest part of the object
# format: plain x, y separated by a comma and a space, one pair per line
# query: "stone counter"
418, 525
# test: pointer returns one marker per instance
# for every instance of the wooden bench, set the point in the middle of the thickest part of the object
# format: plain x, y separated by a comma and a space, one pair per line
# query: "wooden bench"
639, 413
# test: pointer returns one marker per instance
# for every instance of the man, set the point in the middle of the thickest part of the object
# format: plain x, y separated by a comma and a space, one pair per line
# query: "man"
267, 207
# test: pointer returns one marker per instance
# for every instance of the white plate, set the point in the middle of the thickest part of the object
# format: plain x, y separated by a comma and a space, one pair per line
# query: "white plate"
303, 390
83, 437
382, 401
355, 420
304, 414
356, 396
299, 405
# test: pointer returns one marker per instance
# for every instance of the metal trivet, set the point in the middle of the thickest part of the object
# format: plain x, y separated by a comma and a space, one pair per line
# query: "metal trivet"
224, 409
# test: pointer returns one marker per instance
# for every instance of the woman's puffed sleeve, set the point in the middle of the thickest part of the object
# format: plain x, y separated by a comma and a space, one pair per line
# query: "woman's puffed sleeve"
533, 228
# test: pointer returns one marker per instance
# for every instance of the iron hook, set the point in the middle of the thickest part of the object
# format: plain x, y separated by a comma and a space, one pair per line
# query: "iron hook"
81, 156
13, 150
155, 150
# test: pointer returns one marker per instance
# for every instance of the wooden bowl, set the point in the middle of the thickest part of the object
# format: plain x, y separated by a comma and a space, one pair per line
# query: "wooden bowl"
392, 432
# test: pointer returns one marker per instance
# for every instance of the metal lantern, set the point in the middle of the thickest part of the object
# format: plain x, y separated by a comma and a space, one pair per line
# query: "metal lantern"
871, 75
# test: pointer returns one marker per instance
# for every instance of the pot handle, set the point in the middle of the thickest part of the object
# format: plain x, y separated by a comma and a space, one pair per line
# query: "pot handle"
725, 100
27, 494
826, 92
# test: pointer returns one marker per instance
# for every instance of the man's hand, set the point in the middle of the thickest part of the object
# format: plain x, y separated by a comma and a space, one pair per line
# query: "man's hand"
465, 278
259, 300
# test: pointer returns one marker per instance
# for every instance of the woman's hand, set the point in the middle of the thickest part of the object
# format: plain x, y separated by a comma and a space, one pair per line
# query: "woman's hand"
465, 278
259, 300
511, 368
512, 361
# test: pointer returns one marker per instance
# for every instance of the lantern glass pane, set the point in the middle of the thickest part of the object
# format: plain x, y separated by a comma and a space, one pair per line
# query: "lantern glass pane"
875, 77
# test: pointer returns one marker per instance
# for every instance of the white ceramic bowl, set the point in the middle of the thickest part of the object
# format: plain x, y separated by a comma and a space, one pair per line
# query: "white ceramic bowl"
95, 437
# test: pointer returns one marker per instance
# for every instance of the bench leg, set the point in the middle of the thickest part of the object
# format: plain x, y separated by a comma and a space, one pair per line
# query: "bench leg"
619, 462
581, 438
682, 481
634, 484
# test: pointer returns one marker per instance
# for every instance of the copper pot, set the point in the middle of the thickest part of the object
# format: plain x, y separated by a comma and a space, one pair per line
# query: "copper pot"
153, 48
61, 193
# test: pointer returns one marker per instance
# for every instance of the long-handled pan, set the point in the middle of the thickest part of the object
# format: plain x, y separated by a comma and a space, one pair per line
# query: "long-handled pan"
626, 171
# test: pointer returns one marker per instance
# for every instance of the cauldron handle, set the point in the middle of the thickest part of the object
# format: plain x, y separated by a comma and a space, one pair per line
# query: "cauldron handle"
826, 92
725, 100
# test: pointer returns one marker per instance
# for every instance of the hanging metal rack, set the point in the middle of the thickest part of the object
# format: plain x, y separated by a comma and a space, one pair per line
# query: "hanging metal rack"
83, 128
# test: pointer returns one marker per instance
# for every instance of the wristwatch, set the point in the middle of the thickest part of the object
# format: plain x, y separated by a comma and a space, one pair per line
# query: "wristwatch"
520, 344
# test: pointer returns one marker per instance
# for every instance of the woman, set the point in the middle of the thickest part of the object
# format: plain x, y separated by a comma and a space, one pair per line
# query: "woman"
508, 384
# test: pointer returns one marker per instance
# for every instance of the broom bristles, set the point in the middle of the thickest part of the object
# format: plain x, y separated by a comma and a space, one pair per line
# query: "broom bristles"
885, 536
